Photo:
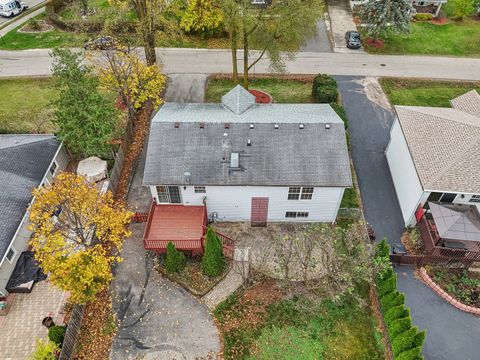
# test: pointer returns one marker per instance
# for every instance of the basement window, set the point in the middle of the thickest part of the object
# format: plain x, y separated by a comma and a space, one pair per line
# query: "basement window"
296, 214
200, 189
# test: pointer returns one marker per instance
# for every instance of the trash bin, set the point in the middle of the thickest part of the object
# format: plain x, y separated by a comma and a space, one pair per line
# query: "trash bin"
399, 249
48, 322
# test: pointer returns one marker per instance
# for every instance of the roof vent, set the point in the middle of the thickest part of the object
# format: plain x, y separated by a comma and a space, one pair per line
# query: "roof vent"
234, 160
276, 126
301, 126
252, 126
327, 126
202, 125
227, 126
177, 125
249, 142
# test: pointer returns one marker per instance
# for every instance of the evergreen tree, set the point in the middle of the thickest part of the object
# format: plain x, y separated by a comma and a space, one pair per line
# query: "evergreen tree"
213, 262
381, 17
85, 117
175, 260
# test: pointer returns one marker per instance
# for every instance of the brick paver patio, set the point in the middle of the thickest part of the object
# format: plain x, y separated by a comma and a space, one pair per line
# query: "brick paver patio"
23, 323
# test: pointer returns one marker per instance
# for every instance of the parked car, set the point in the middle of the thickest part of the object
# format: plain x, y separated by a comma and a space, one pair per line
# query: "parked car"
101, 43
352, 39
10, 8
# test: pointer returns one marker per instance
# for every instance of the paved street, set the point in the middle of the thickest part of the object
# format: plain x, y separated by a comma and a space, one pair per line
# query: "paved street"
202, 61
320, 42
451, 334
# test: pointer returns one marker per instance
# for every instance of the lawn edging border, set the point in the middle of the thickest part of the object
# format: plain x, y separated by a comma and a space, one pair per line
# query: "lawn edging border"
444, 295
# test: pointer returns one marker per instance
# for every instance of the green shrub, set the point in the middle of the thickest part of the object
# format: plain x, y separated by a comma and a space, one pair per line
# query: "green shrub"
387, 285
399, 326
392, 299
423, 17
44, 350
412, 354
213, 261
324, 89
340, 110
174, 260
420, 338
385, 274
404, 341
56, 334
394, 313
382, 249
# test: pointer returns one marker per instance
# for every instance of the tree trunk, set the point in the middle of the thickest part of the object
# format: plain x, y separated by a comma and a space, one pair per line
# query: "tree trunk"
245, 58
234, 46
149, 43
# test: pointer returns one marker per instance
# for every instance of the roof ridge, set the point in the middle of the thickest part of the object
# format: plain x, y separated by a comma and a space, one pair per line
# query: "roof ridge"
432, 111
42, 137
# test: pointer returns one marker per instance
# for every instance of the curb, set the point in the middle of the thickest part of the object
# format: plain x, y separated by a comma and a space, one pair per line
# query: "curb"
445, 296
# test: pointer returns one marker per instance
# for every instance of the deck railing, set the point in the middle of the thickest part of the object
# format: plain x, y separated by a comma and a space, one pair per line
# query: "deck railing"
227, 243
179, 244
429, 238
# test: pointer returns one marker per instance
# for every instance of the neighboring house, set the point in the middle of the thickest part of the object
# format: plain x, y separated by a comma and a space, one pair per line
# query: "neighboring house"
26, 162
433, 155
245, 162
422, 7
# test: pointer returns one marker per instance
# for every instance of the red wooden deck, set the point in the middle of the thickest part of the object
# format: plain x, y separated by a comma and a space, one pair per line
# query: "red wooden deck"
182, 225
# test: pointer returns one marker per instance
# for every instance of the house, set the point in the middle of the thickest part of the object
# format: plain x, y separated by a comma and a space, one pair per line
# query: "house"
26, 162
243, 161
421, 7
433, 155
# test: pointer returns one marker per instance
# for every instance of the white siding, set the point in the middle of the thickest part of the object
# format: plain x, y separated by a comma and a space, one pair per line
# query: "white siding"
233, 203
405, 179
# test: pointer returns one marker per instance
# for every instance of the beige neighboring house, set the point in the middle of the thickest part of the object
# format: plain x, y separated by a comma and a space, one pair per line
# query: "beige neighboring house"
26, 162
433, 156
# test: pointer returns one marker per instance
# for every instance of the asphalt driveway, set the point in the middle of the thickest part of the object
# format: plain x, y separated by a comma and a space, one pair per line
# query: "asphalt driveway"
451, 334
157, 319
320, 42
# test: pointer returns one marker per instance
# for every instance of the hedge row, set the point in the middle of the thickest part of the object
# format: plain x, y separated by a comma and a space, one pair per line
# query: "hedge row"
405, 338
324, 89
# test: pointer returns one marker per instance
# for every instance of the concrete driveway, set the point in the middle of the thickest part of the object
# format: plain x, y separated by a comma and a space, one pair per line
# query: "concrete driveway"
320, 42
341, 21
451, 334
157, 319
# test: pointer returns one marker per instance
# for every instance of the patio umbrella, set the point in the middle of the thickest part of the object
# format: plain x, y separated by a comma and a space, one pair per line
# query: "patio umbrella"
456, 222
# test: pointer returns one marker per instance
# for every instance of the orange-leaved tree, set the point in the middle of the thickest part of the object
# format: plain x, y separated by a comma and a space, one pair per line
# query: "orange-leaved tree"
77, 233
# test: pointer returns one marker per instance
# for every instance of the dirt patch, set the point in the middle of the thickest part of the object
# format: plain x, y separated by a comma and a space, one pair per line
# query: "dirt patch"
374, 92
34, 27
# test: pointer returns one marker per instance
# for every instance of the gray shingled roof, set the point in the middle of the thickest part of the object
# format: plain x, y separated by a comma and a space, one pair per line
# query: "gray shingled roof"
313, 156
238, 100
24, 160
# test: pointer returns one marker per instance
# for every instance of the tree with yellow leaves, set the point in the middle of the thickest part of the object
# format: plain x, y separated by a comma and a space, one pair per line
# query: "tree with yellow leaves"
77, 233
136, 82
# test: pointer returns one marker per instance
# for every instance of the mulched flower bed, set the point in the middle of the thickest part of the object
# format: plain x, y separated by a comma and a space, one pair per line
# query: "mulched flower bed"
375, 43
261, 97
191, 277
462, 284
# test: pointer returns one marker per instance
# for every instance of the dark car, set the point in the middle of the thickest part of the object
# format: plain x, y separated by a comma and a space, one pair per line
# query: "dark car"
101, 43
352, 39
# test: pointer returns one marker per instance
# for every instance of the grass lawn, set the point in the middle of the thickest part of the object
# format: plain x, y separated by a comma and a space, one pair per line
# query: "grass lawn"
453, 38
282, 90
24, 105
45, 40
261, 324
424, 92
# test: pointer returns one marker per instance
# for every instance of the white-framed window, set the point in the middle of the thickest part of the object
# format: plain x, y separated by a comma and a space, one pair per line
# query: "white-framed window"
296, 214
300, 193
11, 254
54, 167
200, 189
475, 199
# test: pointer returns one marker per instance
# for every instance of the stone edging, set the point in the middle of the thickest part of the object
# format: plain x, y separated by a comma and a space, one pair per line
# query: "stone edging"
444, 295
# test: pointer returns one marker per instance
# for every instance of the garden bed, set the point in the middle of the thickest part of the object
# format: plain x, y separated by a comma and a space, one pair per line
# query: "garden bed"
262, 323
191, 277
460, 283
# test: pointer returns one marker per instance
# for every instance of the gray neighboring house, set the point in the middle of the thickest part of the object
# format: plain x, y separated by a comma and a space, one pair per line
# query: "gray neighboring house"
249, 162
26, 162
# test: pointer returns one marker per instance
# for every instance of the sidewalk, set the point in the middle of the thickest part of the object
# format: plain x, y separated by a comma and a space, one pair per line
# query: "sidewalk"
20, 21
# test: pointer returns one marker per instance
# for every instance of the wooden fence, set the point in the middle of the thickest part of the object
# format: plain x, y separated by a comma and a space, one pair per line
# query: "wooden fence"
71, 335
